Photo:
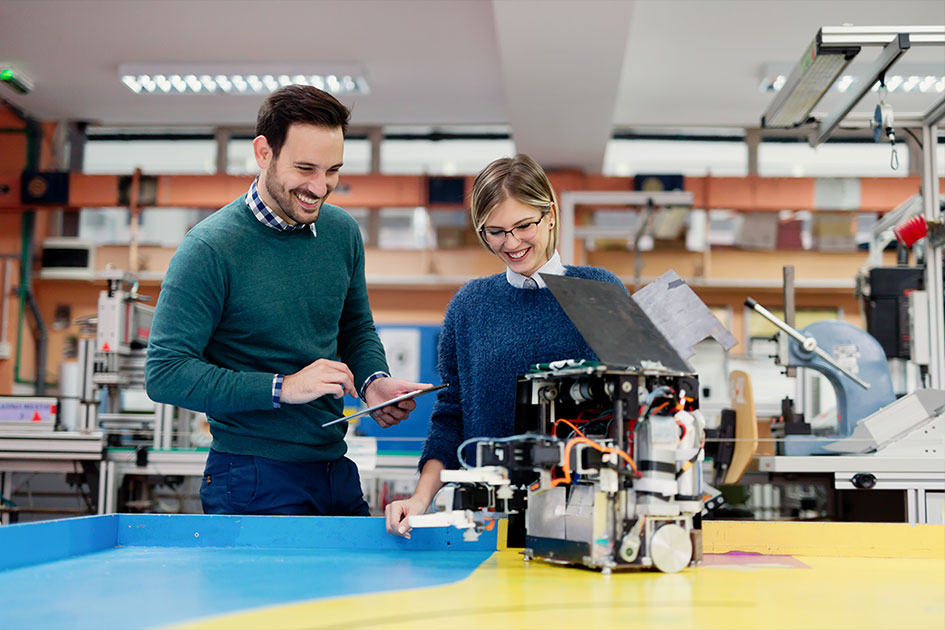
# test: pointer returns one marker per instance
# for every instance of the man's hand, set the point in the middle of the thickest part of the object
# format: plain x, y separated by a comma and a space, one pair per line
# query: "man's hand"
396, 514
382, 389
318, 379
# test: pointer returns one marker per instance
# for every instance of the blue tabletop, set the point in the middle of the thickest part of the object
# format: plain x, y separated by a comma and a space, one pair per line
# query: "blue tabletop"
122, 571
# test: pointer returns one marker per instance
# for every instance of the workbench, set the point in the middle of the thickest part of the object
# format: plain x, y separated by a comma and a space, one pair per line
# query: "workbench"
129, 571
52, 452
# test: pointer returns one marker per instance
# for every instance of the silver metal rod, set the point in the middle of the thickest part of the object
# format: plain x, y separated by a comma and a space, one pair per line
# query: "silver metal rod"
880, 35
935, 113
829, 359
788, 275
807, 343
934, 259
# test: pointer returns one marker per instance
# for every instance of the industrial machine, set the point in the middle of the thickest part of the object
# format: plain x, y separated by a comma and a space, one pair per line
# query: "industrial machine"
881, 442
605, 462
28, 413
111, 356
852, 361
869, 416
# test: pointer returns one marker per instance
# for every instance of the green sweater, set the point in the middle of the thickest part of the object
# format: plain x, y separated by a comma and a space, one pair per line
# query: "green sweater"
242, 302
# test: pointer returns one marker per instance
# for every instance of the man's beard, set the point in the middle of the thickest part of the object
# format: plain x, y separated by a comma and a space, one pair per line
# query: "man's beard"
286, 200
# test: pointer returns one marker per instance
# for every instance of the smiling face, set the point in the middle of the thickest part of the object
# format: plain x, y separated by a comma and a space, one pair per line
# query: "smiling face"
524, 250
296, 183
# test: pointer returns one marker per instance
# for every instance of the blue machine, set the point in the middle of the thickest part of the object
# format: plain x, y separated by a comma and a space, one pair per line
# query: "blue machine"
857, 351
852, 361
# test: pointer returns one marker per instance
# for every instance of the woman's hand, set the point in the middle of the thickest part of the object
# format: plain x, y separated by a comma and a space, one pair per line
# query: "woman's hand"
396, 514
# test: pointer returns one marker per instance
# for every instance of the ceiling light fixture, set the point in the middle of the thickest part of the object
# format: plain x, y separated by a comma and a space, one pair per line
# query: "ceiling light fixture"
15, 79
245, 79
826, 58
907, 83
813, 75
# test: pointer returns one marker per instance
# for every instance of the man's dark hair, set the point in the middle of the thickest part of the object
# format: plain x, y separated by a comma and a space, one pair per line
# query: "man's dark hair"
298, 104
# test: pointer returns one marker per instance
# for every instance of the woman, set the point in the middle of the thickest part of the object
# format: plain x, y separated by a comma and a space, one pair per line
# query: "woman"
495, 328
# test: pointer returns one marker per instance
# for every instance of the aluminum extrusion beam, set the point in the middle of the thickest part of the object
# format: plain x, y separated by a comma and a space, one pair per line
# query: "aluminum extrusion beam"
891, 52
933, 260
881, 35
935, 113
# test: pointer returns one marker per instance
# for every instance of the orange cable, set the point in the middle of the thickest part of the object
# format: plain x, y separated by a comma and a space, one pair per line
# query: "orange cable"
568, 422
596, 446
652, 411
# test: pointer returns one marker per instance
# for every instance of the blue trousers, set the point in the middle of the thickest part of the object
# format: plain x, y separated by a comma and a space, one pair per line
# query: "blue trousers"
248, 484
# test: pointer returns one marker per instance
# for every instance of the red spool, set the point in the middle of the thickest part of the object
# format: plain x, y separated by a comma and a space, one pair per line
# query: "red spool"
912, 230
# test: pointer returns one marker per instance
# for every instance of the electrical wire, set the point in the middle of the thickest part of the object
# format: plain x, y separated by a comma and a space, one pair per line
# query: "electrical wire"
661, 391
511, 438
688, 464
914, 137
603, 449
656, 410
568, 422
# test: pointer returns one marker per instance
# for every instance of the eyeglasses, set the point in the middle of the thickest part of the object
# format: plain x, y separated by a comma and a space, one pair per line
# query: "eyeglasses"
523, 231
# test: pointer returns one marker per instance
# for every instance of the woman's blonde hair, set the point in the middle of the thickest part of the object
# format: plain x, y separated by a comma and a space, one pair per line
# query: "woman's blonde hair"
519, 178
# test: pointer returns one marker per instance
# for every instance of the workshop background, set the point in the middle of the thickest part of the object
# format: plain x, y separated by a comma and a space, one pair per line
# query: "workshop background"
123, 124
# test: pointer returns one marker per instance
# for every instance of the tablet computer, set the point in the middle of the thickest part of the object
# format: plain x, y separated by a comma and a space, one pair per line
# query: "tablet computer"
392, 401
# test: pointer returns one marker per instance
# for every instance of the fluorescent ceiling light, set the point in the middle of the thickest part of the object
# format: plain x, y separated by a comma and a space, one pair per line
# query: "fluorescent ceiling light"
240, 79
803, 88
905, 83
827, 58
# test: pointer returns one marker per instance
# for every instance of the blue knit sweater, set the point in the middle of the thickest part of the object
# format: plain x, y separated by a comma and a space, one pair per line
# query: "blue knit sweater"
492, 332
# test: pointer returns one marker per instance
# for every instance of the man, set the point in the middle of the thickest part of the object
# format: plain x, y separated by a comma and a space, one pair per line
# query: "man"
263, 323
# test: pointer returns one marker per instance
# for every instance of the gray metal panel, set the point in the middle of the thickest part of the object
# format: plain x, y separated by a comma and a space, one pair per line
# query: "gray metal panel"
53, 445
544, 515
892, 422
614, 326
680, 315
849, 463
579, 516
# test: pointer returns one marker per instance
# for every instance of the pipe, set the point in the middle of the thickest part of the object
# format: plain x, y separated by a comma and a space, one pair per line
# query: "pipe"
5, 315
27, 300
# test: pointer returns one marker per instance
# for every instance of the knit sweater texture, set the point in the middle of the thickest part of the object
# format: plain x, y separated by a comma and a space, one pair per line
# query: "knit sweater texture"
242, 302
493, 332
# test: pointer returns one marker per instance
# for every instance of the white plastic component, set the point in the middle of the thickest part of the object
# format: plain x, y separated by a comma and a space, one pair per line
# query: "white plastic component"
894, 422
689, 481
609, 480
629, 547
471, 534
656, 440
492, 475
920, 344
460, 519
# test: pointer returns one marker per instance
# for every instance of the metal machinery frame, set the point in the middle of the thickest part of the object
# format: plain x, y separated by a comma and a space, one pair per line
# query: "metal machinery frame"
894, 42
604, 466
54, 452
911, 460
111, 357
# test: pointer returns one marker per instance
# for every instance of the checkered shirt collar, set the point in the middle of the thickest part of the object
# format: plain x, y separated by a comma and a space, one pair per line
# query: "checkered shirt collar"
266, 216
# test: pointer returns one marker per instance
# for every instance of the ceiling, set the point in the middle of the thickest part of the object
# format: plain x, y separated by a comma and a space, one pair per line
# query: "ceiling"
561, 74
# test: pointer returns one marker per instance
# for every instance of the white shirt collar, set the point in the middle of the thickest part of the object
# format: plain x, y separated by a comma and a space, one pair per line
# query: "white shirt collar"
552, 267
